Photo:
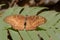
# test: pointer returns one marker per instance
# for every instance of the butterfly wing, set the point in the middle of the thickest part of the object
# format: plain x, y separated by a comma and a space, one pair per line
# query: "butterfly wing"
16, 21
33, 21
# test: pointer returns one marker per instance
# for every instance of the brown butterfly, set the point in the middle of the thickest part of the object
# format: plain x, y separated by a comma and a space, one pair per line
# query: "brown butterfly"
19, 22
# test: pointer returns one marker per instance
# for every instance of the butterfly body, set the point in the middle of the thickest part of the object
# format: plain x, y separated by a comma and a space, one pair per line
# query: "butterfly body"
18, 21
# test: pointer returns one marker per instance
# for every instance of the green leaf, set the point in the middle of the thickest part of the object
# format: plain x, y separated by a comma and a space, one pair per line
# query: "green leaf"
15, 35
33, 35
52, 34
32, 10
25, 35
3, 34
44, 35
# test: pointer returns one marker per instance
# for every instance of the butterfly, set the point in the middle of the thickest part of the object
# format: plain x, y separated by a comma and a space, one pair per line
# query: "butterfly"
20, 22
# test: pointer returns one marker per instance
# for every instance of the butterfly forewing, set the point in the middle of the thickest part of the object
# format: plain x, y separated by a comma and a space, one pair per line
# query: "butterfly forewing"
16, 21
33, 21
